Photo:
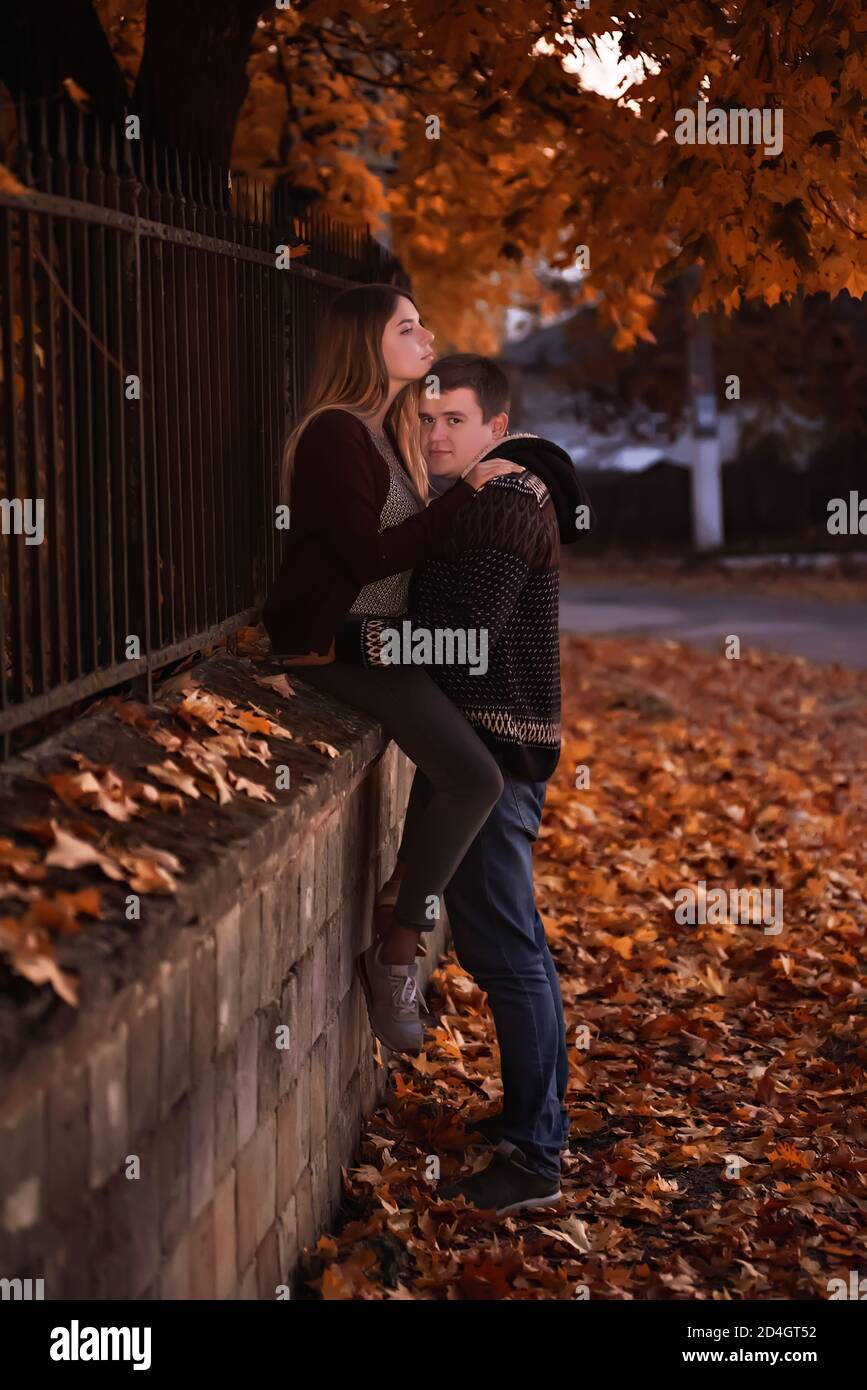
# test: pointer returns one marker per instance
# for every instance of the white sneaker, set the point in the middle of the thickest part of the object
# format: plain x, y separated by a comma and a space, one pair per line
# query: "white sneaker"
393, 997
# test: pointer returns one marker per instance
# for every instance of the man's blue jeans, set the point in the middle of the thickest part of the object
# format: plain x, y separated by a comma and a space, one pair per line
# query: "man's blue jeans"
500, 940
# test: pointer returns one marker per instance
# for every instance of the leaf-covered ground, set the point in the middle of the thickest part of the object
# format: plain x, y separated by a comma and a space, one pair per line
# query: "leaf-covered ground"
717, 1091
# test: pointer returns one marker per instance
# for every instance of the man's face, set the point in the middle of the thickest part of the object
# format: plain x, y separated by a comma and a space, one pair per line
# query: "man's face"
453, 432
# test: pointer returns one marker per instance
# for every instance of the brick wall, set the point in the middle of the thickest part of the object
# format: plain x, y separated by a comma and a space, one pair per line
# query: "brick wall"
237, 1142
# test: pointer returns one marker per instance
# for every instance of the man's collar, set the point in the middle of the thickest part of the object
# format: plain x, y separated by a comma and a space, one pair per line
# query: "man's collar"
439, 485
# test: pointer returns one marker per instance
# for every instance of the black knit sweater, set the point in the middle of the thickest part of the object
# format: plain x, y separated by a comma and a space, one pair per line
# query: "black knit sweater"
498, 573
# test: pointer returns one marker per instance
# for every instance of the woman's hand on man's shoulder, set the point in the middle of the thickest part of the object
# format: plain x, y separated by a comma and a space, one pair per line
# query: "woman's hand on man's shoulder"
483, 472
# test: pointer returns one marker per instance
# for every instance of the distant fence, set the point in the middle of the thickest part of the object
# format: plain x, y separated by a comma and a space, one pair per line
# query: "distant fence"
766, 504
152, 356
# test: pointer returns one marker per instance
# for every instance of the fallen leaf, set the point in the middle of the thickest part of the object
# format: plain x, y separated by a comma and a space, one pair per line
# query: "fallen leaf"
328, 749
69, 852
254, 790
279, 684
169, 772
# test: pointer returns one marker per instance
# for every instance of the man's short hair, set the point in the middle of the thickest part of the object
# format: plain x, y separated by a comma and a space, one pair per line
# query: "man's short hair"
478, 374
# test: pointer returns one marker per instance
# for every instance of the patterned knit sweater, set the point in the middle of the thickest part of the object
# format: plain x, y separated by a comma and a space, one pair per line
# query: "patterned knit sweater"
497, 574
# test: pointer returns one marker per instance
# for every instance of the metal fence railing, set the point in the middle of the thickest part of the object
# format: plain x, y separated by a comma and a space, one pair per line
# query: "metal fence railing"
152, 356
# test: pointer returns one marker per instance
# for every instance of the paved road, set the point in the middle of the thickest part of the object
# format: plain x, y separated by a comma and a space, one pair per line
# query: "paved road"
824, 632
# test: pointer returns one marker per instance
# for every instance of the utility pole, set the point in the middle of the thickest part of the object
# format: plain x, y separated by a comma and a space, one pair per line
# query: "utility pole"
706, 462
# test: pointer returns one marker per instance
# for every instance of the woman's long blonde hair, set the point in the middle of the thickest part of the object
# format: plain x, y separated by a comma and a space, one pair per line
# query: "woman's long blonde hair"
349, 372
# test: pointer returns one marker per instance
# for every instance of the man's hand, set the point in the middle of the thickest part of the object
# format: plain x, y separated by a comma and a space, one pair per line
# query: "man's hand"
482, 473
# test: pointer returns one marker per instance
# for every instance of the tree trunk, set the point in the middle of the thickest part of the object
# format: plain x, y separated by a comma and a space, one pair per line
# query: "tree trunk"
193, 76
44, 41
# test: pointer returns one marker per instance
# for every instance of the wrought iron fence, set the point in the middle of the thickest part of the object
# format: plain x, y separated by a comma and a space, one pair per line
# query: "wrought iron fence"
153, 353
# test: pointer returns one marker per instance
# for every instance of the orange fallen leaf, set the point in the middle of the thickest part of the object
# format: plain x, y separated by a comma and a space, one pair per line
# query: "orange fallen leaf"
9, 184
168, 771
587, 1122
76, 94
327, 748
281, 685
254, 790
69, 852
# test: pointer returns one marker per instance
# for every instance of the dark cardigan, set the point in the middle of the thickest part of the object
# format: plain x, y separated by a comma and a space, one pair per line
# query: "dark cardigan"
334, 545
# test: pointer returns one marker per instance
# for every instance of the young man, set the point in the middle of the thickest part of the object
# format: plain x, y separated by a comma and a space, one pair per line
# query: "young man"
485, 615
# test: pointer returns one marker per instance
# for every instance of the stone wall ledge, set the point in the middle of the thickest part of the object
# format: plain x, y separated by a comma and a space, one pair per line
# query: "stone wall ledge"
170, 1055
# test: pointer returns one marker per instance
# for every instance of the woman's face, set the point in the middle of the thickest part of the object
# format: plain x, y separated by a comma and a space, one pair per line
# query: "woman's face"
406, 345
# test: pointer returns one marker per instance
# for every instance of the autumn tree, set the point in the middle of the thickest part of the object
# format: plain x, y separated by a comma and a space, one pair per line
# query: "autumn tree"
529, 165
502, 162
188, 62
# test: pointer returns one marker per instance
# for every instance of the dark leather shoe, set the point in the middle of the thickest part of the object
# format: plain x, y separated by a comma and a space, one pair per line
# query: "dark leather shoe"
505, 1186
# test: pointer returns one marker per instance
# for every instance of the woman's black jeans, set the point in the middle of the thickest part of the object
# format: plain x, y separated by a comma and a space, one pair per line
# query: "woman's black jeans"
465, 781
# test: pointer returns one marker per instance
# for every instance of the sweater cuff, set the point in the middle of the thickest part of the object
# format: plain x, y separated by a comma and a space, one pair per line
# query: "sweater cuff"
358, 641
371, 640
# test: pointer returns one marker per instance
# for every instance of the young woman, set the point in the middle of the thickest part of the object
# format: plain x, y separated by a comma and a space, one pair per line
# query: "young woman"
356, 482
